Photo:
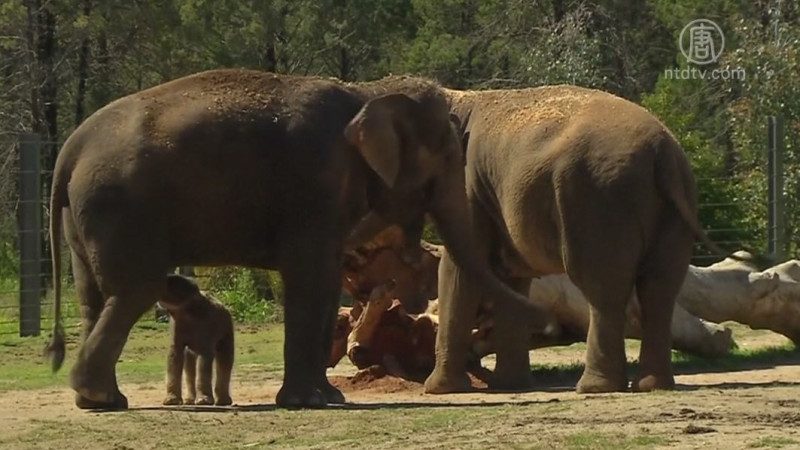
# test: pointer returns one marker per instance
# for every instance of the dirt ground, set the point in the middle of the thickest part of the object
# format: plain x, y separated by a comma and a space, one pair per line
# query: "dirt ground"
756, 405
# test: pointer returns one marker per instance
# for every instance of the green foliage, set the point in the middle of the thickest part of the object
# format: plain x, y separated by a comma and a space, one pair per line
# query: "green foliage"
251, 295
722, 123
771, 57
9, 262
724, 210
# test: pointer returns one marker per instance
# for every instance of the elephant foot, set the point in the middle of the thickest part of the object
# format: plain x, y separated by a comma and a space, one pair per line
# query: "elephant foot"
189, 401
439, 382
87, 400
204, 400
654, 382
223, 400
300, 397
96, 390
172, 399
333, 396
591, 383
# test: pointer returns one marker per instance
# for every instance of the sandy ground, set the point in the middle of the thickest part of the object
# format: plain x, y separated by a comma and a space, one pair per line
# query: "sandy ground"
753, 407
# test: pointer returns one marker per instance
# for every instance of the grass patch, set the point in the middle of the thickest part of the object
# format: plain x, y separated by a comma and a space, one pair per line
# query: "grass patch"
738, 359
259, 352
598, 440
773, 442
491, 426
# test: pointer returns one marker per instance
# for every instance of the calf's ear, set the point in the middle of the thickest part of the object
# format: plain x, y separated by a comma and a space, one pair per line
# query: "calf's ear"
378, 133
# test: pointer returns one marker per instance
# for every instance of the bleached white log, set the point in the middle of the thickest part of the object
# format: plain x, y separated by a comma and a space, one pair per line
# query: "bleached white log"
732, 290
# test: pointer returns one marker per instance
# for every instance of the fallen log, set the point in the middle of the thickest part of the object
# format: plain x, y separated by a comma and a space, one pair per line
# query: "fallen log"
378, 331
737, 291
566, 302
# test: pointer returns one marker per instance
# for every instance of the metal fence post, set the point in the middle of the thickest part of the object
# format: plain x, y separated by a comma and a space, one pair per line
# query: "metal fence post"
30, 228
776, 227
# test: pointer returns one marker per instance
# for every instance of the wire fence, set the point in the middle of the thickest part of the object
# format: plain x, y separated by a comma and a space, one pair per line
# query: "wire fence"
26, 306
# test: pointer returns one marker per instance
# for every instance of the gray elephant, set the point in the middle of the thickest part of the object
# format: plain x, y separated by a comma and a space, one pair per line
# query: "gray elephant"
565, 179
236, 167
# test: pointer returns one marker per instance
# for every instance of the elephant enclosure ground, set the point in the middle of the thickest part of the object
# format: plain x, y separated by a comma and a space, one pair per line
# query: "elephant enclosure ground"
750, 399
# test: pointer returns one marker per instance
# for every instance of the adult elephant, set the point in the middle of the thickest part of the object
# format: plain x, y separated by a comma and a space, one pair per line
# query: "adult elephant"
565, 179
238, 167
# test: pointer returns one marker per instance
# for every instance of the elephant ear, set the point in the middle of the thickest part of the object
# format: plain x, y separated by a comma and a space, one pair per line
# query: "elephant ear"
376, 131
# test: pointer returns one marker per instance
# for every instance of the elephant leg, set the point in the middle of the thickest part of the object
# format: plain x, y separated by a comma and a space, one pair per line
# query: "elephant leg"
605, 353
128, 262
223, 361
93, 376
190, 376
511, 335
331, 393
458, 307
655, 366
205, 369
601, 249
312, 283
658, 285
90, 299
175, 362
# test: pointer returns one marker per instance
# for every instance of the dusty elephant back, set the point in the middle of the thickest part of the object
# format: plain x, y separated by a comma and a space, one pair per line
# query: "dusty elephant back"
503, 113
193, 153
524, 144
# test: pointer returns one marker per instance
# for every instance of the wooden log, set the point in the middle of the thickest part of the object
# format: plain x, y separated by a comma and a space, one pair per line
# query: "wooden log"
564, 300
735, 290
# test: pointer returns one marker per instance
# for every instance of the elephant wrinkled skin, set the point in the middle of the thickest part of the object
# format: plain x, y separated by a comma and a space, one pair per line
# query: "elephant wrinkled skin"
566, 179
238, 167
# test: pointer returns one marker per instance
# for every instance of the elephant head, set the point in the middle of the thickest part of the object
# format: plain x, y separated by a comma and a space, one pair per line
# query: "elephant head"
180, 294
414, 148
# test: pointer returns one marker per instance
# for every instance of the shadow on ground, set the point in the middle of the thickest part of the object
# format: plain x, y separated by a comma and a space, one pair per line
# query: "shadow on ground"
363, 406
557, 378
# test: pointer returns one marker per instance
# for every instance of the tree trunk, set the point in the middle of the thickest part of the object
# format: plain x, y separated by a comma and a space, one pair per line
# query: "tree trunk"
33, 74
83, 69
41, 36
558, 10
271, 62
344, 64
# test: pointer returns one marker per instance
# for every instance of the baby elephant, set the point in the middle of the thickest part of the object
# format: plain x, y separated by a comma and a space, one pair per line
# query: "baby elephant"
202, 333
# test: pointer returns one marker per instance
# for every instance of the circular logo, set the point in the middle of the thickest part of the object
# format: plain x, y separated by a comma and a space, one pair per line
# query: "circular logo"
701, 41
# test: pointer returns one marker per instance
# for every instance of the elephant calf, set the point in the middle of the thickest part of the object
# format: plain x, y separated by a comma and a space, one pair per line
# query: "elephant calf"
202, 335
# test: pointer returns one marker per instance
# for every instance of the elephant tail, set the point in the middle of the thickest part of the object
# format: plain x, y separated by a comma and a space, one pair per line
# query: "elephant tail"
675, 181
56, 348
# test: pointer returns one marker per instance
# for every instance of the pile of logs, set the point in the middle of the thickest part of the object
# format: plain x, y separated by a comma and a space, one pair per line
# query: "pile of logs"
377, 330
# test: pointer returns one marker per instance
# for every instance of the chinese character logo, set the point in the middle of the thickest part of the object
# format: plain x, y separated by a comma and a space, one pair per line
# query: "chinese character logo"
702, 42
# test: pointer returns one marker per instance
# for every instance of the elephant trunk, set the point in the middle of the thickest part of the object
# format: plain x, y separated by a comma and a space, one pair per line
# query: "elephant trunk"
450, 212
